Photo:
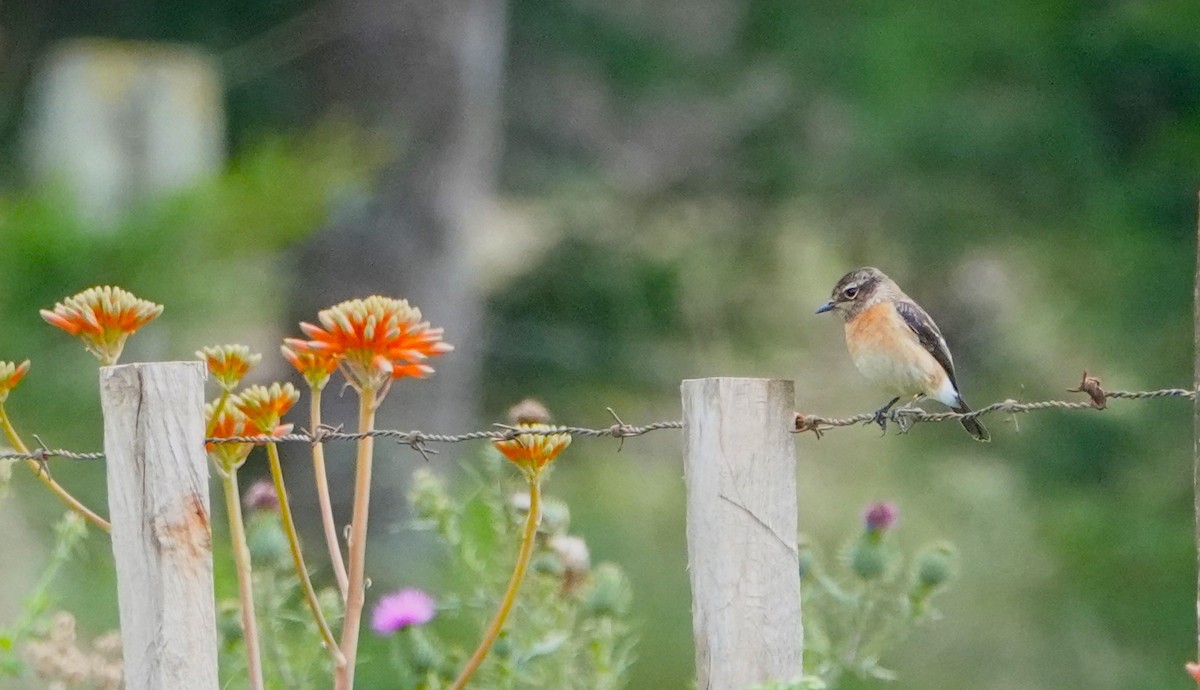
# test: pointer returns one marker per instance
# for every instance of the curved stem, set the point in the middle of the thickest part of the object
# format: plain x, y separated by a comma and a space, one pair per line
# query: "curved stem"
241, 558
355, 596
331, 537
510, 595
289, 526
41, 473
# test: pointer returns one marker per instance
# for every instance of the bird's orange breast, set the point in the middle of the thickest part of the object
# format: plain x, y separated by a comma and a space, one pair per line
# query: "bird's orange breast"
887, 352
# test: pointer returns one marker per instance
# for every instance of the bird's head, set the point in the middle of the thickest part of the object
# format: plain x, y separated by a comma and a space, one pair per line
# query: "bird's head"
856, 291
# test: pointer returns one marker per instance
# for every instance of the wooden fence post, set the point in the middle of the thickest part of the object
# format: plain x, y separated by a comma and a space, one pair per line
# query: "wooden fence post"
740, 472
158, 502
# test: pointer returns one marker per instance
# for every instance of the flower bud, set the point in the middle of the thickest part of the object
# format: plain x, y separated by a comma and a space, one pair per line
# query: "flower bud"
936, 564
529, 411
229, 623
425, 656
609, 593
556, 517
868, 558
261, 497
502, 648
266, 540
881, 516
805, 557
547, 564
428, 496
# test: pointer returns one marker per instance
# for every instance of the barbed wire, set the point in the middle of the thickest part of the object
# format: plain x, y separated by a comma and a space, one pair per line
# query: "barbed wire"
906, 417
903, 417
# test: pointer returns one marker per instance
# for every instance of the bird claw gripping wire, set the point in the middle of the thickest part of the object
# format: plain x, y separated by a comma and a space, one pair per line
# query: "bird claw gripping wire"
881, 416
905, 417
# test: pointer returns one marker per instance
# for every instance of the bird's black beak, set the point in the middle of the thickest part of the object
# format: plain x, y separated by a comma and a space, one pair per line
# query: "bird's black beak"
828, 306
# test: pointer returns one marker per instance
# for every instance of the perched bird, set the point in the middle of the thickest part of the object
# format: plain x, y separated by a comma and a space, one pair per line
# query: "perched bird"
895, 344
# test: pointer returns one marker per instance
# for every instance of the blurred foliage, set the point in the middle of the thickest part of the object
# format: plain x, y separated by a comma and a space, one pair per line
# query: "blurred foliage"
211, 255
855, 614
569, 627
36, 619
293, 658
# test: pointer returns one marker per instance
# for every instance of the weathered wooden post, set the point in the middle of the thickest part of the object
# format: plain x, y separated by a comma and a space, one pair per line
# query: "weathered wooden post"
740, 471
158, 501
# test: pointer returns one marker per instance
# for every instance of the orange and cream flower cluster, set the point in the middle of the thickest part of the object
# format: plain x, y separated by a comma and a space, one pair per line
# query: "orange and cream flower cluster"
533, 450
374, 341
11, 374
228, 364
255, 411
103, 317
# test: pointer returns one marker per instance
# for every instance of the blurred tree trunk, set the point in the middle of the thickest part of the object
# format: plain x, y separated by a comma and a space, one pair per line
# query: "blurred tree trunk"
427, 75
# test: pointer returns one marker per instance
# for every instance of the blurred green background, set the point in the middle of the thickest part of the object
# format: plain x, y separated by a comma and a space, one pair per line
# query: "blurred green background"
668, 191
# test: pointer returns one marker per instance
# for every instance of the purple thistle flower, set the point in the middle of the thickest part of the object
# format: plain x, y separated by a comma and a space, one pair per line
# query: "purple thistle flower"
881, 516
401, 609
261, 496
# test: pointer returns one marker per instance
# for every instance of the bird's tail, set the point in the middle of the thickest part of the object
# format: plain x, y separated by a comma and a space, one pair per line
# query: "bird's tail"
972, 424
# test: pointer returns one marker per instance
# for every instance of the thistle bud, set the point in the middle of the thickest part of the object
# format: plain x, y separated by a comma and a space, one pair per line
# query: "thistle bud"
880, 517
868, 558
266, 540
936, 564
609, 593
556, 517
805, 557
426, 656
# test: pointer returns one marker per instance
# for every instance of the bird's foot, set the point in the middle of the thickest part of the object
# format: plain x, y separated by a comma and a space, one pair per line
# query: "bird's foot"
881, 415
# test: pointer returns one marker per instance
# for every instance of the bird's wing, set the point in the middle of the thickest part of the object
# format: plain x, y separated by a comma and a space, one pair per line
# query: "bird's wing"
928, 334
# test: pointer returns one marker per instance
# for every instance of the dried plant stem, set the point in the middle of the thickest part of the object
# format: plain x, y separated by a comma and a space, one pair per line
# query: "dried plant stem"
40, 472
289, 527
331, 536
241, 558
514, 584
355, 596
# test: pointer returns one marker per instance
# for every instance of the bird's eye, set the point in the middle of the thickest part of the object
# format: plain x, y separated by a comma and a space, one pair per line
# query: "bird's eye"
850, 292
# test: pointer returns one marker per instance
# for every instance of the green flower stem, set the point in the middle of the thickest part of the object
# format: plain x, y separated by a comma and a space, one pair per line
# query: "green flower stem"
44, 476
216, 413
289, 526
510, 595
241, 558
355, 595
331, 537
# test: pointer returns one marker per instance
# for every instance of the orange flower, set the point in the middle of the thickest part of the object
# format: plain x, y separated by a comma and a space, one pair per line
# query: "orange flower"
533, 452
1193, 670
229, 423
264, 407
378, 338
11, 374
228, 364
233, 422
103, 317
315, 366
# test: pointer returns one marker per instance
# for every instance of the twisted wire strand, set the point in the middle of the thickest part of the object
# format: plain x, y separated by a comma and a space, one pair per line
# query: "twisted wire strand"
905, 417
